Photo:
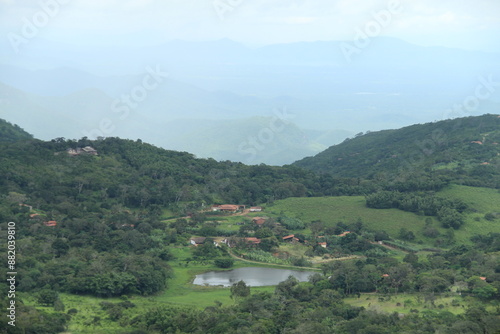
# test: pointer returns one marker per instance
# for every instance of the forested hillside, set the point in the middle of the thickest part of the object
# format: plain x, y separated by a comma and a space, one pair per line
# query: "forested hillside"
12, 133
116, 218
465, 149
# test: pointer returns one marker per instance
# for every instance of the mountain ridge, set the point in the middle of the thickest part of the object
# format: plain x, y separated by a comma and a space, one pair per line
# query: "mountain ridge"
458, 147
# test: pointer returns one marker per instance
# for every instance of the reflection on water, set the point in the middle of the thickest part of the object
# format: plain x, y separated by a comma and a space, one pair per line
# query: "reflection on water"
253, 276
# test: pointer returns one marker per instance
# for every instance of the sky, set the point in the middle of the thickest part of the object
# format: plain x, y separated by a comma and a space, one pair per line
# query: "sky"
462, 24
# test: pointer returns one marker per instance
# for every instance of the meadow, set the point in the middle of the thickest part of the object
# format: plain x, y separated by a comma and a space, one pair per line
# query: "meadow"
413, 303
349, 209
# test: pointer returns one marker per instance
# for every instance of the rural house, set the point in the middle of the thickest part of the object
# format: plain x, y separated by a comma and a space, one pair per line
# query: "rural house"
78, 151
228, 208
197, 241
290, 238
259, 220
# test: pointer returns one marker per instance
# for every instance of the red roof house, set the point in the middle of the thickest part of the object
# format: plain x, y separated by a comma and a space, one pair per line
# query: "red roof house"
252, 240
259, 220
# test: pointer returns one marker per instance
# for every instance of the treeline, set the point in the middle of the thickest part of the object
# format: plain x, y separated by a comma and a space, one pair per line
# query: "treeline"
448, 211
138, 175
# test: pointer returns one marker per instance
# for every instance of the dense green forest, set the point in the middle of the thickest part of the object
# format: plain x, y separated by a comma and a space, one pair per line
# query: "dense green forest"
106, 219
466, 150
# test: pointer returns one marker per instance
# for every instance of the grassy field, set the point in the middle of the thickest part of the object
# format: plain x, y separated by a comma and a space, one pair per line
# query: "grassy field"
349, 209
483, 200
404, 303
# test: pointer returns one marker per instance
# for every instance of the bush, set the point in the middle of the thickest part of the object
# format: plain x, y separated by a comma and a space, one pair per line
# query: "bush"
292, 223
490, 216
224, 263
47, 297
301, 262
72, 311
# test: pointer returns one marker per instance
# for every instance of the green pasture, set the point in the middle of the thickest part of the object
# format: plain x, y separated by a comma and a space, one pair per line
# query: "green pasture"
409, 303
348, 209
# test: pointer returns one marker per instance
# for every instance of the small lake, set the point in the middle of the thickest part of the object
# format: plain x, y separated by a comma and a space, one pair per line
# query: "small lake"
252, 276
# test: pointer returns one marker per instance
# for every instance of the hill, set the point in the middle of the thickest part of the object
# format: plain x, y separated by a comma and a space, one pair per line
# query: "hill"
12, 133
467, 150
223, 136
268, 140
93, 220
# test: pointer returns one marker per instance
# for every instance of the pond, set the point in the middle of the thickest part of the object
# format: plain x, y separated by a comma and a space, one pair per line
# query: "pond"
252, 276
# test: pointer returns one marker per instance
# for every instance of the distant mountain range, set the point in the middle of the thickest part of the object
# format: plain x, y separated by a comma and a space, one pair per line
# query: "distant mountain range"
271, 139
212, 95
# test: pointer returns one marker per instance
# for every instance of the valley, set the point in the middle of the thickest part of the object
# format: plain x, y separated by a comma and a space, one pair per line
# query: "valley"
111, 233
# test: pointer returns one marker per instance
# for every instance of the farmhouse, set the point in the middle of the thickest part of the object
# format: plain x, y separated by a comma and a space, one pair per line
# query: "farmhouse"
200, 241
255, 209
290, 238
233, 241
86, 150
259, 220
253, 241
197, 241
228, 208
50, 223
322, 244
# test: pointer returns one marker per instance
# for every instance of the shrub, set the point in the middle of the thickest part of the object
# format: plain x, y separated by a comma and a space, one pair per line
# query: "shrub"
490, 216
224, 263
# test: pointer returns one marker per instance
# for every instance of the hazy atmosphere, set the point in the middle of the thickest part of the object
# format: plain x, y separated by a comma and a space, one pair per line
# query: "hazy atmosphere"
251, 81
250, 166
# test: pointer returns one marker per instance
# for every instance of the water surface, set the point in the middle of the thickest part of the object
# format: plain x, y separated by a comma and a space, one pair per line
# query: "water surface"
253, 276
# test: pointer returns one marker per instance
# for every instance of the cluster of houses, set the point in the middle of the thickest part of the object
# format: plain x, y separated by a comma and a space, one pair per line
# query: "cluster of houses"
79, 151
233, 241
50, 223
38, 217
260, 221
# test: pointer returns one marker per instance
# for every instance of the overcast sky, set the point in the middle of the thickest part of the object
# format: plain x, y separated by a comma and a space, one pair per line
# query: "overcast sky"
454, 23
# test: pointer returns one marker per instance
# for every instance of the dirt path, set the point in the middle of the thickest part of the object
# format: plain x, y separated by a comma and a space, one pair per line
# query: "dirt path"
272, 264
290, 266
388, 247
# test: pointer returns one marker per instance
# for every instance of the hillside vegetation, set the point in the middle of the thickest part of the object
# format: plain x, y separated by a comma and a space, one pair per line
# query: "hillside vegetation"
115, 229
12, 133
467, 150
